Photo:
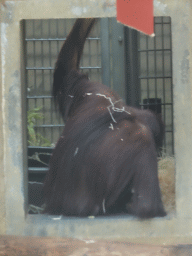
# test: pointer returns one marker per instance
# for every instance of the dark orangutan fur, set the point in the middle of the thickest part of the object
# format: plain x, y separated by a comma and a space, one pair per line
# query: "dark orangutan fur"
106, 156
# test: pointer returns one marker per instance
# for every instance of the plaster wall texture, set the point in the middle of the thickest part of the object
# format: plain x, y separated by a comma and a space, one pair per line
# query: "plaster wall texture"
13, 216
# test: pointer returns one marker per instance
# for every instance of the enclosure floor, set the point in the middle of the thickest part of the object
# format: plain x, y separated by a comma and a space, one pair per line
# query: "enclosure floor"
13, 245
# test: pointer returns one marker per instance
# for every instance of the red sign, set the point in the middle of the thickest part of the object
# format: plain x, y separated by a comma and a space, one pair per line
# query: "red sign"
137, 14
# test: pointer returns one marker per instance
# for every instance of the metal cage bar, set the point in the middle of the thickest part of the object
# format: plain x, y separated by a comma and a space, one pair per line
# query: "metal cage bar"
146, 61
155, 75
43, 41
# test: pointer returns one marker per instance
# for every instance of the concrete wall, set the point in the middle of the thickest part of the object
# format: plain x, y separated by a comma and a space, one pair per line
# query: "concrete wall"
2, 179
13, 168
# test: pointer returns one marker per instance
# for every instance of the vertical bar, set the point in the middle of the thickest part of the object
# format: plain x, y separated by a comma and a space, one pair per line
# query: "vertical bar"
132, 67
82, 56
138, 70
118, 55
89, 45
97, 42
26, 63
163, 62
155, 75
147, 55
155, 60
105, 51
172, 124
42, 63
58, 49
66, 22
35, 77
34, 58
57, 46
24, 114
49, 36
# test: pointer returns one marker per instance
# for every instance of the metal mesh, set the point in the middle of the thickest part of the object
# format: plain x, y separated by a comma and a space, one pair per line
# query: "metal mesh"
44, 39
155, 59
